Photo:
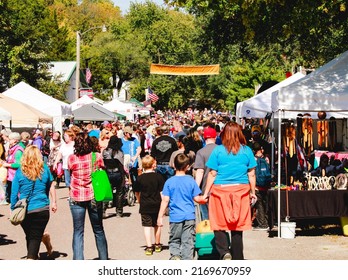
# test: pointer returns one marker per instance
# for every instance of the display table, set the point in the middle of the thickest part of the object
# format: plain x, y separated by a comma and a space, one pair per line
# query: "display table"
307, 204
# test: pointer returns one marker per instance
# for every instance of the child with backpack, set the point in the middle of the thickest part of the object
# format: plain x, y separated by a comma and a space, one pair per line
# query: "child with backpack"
263, 181
179, 192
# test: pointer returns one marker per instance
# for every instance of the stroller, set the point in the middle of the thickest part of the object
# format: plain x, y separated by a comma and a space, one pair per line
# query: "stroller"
128, 193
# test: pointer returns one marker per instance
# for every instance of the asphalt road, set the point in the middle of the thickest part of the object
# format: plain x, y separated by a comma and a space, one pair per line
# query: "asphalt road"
126, 240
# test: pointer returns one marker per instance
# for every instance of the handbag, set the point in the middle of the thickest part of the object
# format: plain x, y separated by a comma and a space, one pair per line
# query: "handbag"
100, 182
20, 209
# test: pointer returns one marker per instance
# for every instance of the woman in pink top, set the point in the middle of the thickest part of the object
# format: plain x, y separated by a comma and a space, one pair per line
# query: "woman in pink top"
82, 197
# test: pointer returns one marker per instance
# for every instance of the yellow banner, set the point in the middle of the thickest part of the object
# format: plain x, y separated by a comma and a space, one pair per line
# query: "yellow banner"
185, 70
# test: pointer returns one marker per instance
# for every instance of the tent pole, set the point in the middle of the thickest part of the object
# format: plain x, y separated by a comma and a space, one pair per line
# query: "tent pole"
279, 165
273, 143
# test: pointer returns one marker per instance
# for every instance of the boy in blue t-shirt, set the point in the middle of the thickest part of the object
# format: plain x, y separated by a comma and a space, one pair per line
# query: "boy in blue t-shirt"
179, 192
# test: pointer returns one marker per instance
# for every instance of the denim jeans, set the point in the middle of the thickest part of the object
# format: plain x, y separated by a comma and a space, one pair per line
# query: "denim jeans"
204, 211
133, 173
95, 213
182, 239
165, 170
116, 181
67, 177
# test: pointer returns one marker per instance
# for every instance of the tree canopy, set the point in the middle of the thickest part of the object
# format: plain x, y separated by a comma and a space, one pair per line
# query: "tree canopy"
253, 41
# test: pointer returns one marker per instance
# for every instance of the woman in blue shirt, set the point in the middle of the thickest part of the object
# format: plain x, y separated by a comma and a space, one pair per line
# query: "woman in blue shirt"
33, 180
231, 184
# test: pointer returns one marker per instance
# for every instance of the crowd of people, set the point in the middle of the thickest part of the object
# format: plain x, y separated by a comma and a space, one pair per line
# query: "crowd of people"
174, 160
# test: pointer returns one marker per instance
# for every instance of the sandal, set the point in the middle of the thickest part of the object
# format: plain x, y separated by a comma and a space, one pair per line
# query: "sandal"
158, 248
148, 251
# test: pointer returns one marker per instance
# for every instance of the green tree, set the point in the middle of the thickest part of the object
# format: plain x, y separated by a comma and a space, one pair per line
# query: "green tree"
147, 34
28, 41
167, 37
309, 32
268, 37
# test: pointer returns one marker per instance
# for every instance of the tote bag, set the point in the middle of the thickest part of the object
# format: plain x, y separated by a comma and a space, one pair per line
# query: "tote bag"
18, 213
100, 182
20, 209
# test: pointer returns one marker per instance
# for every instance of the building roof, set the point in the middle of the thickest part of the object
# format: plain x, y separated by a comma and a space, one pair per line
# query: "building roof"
63, 69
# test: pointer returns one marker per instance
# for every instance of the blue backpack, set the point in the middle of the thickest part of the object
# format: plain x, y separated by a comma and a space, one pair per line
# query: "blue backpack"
263, 173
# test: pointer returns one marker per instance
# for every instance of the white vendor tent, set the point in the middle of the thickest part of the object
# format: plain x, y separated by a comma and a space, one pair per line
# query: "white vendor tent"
261, 104
21, 114
5, 115
267, 102
83, 100
125, 108
325, 89
42, 102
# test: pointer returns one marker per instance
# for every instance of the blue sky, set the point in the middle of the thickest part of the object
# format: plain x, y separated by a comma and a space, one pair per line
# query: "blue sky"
124, 4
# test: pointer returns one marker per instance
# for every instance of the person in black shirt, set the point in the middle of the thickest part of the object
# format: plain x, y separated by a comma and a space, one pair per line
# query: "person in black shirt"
150, 185
113, 160
161, 150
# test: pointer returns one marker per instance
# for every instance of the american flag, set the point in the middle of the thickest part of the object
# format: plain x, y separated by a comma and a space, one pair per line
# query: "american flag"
88, 75
152, 95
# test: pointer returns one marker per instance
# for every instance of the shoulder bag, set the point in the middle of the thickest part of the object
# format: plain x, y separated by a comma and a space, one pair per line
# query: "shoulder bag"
100, 182
20, 209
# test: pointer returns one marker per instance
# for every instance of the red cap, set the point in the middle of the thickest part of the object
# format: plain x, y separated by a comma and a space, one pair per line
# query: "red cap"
209, 133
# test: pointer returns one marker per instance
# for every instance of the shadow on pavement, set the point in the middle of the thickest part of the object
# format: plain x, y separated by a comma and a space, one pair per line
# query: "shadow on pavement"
53, 256
5, 241
314, 227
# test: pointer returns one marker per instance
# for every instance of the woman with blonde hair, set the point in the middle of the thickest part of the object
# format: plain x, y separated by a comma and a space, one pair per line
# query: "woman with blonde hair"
231, 184
104, 139
34, 181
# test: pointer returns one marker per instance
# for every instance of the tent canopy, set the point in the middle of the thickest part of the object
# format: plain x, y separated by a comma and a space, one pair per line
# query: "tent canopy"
325, 89
136, 102
259, 105
127, 109
22, 114
42, 102
5, 115
83, 100
93, 112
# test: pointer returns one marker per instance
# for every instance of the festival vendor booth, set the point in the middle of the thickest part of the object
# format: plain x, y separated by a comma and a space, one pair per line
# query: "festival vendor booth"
127, 109
17, 115
42, 102
321, 95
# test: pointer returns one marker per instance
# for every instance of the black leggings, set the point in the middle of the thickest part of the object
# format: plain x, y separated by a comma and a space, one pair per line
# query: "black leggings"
8, 191
222, 244
34, 226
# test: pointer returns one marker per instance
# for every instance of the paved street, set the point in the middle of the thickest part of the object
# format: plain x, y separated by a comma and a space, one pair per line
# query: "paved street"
126, 240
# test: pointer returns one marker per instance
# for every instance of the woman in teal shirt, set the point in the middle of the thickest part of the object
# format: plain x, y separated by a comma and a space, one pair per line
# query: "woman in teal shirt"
33, 180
